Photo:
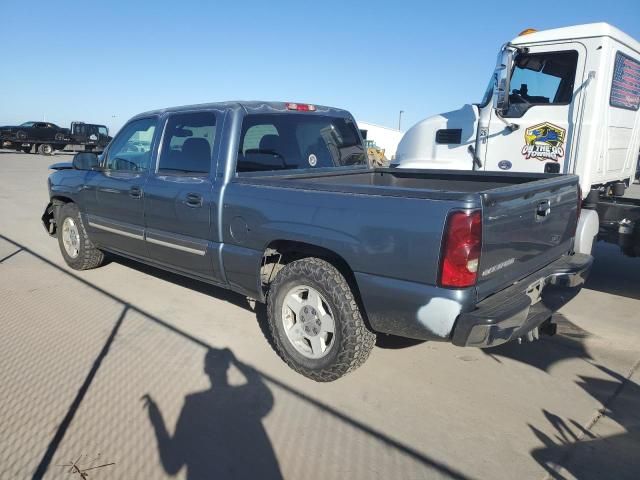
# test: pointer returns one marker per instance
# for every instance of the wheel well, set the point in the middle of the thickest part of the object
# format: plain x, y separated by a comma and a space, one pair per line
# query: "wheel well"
59, 200
281, 252
51, 213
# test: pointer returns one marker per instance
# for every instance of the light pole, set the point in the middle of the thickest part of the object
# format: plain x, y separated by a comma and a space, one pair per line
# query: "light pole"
400, 119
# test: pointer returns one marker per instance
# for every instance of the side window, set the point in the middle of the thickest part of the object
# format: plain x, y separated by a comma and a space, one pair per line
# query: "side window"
188, 143
542, 79
130, 151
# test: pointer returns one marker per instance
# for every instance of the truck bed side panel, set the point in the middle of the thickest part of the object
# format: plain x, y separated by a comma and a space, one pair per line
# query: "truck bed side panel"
390, 236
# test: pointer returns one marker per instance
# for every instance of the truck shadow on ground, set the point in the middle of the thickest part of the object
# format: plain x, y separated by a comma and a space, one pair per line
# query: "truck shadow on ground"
221, 427
613, 272
201, 287
546, 352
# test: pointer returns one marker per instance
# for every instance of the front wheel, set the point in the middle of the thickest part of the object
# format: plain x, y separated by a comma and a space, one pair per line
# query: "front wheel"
77, 250
315, 321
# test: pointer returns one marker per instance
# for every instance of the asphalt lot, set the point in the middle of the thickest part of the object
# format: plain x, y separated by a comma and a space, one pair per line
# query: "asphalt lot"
124, 365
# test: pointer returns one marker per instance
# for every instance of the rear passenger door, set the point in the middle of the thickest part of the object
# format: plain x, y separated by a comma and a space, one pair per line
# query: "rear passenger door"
180, 209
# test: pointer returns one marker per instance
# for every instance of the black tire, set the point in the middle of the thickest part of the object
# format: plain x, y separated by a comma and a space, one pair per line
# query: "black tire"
353, 341
26, 149
20, 135
45, 149
88, 255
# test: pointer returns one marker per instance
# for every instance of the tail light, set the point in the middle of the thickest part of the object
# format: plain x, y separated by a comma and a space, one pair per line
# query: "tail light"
460, 254
301, 107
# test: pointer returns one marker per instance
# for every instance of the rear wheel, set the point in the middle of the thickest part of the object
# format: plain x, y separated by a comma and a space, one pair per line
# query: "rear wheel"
45, 149
315, 321
77, 250
26, 149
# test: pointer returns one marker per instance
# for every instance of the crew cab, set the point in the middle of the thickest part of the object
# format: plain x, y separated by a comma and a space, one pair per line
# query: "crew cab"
277, 201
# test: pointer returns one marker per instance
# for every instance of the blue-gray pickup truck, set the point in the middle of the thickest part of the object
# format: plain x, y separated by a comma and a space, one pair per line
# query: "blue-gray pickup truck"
278, 201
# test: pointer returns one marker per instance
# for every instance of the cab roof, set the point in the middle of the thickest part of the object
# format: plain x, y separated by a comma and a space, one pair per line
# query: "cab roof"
588, 30
250, 106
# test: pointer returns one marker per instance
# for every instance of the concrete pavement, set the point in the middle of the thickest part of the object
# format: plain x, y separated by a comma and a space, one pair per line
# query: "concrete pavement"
156, 376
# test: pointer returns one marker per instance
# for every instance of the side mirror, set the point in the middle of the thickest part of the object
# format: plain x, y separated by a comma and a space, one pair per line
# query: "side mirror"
502, 78
86, 161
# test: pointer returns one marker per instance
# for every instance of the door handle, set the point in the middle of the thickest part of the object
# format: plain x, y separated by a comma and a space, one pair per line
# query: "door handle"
193, 200
135, 192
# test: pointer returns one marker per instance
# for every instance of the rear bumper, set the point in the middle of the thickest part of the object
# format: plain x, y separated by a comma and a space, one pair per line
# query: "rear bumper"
520, 308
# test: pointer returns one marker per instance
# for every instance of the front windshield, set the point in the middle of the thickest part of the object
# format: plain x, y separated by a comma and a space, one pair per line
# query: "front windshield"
27, 124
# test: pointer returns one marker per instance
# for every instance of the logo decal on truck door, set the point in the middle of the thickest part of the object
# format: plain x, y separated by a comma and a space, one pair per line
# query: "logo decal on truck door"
544, 141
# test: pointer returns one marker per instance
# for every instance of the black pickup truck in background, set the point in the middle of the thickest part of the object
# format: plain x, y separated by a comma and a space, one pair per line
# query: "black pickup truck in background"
47, 137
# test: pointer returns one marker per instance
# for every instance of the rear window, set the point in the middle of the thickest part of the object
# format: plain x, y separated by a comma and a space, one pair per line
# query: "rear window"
270, 142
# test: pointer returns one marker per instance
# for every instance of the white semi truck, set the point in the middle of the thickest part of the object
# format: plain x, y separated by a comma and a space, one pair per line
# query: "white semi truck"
564, 100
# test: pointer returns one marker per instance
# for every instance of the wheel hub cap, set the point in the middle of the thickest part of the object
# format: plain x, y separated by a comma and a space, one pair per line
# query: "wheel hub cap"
311, 322
308, 321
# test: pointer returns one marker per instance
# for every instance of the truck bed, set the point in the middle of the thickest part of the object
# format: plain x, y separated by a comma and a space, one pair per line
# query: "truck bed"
416, 183
528, 218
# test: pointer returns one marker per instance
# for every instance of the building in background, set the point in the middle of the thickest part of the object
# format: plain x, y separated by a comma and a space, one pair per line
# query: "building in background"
384, 138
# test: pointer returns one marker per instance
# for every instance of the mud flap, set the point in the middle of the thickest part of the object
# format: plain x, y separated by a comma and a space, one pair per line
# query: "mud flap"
49, 220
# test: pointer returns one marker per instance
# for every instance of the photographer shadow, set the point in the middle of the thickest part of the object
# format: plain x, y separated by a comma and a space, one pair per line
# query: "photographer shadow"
219, 432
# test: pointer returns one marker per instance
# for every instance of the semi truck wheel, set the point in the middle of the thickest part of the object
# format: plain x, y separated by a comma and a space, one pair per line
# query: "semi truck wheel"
77, 250
45, 149
26, 149
315, 321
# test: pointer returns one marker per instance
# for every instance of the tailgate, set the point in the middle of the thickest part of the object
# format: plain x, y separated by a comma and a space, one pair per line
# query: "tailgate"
525, 227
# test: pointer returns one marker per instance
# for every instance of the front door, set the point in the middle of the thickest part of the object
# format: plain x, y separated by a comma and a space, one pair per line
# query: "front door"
179, 204
116, 218
546, 85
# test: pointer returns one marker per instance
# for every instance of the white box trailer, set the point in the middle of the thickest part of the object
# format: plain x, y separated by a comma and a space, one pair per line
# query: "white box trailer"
564, 100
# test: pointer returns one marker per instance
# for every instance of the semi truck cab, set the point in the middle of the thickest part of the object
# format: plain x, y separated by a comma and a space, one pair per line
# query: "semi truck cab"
564, 100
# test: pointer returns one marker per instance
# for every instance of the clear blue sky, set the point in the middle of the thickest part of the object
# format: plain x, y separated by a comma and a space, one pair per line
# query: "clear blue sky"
105, 61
